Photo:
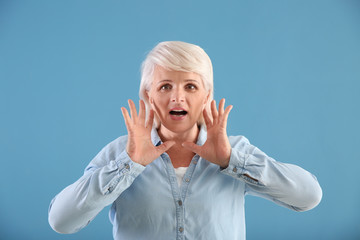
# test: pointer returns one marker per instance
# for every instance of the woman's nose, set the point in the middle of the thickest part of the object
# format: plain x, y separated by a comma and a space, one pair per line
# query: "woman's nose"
178, 96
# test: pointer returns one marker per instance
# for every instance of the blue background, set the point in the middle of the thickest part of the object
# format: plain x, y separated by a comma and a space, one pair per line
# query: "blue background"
290, 68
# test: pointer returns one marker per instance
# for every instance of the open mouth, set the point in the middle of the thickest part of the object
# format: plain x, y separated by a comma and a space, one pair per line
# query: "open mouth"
178, 112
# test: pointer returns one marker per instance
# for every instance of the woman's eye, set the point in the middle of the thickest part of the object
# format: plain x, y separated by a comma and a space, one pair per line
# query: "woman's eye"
190, 87
165, 87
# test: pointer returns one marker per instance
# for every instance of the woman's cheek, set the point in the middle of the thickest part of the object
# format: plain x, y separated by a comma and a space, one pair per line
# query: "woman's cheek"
160, 108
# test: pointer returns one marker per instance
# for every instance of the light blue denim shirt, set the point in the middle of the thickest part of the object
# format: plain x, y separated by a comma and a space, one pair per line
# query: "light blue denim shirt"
147, 202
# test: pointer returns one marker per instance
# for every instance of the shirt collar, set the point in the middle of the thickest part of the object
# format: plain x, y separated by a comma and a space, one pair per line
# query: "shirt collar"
200, 141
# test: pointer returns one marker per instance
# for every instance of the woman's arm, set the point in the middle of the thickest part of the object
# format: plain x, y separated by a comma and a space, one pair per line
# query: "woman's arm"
285, 184
111, 172
106, 177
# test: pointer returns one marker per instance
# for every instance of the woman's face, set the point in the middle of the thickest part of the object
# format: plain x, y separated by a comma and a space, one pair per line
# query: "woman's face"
177, 98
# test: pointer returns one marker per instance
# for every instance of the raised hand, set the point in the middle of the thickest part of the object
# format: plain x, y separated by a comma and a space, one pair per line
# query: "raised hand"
139, 146
217, 148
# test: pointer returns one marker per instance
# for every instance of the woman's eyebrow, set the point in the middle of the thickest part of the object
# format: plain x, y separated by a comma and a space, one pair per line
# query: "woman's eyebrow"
168, 80
162, 82
165, 80
191, 80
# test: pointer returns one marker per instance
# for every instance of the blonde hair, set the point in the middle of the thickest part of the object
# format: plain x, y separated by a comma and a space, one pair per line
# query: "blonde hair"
176, 56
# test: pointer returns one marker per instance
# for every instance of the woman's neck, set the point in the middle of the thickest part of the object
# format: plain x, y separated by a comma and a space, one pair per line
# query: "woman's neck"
190, 135
180, 156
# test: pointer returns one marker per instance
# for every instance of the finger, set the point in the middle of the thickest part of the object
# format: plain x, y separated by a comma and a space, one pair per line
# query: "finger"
126, 116
132, 110
142, 111
226, 115
164, 147
207, 119
192, 147
221, 106
150, 120
214, 111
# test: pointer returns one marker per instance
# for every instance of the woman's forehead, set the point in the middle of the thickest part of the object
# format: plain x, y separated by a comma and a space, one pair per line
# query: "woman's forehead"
164, 75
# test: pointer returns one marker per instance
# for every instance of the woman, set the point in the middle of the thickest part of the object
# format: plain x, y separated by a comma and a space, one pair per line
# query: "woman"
177, 175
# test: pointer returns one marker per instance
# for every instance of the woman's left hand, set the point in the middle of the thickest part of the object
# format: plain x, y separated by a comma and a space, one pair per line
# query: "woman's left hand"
217, 148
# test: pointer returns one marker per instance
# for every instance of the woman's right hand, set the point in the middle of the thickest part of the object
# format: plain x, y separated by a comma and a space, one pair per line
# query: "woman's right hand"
139, 145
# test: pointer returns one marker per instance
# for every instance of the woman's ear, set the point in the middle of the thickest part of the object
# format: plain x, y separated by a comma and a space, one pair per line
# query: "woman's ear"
207, 97
149, 98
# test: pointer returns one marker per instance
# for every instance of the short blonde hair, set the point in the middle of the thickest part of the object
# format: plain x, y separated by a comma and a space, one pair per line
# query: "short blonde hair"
176, 56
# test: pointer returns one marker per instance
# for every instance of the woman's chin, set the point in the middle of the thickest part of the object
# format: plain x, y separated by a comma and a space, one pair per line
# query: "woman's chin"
178, 126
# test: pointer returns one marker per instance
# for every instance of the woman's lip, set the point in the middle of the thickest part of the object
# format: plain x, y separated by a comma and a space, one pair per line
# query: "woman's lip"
178, 109
177, 117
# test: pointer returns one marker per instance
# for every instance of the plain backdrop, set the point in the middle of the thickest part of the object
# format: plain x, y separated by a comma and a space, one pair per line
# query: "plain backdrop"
290, 68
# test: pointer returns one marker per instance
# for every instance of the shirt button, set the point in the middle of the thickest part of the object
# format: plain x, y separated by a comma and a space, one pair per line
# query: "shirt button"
127, 166
187, 180
181, 229
234, 169
195, 162
180, 203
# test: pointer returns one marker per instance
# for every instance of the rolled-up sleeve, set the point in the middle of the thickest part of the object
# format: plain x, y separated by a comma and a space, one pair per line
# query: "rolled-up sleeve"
104, 179
285, 184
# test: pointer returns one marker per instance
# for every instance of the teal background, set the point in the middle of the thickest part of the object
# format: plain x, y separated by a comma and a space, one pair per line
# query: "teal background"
290, 68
